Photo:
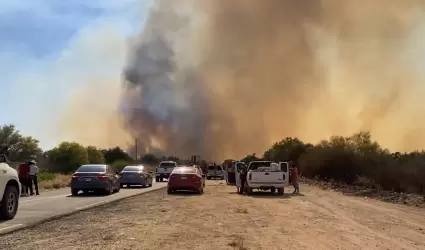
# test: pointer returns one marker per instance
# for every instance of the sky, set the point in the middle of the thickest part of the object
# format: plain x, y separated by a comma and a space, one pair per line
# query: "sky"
48, 48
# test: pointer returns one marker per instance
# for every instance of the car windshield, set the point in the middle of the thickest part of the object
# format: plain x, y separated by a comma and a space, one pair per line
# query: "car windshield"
258, 164
167, 165
132, 169
92, 168
184, 170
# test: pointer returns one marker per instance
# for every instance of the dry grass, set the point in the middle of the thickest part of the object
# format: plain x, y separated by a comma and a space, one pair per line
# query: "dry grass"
57, 181
221, 219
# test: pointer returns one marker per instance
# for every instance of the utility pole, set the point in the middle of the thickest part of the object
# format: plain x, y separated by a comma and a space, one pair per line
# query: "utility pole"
137, 152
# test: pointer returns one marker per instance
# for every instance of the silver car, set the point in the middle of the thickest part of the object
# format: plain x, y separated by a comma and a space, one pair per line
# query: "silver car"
137, 175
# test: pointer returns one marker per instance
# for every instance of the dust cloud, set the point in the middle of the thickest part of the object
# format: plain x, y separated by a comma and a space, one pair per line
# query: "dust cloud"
225, 78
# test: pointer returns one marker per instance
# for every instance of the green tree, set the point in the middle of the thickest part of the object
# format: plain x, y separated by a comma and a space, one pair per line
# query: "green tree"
288, 149
16, 146
95, 155
251, 157
114, 154
149, 159
67, 157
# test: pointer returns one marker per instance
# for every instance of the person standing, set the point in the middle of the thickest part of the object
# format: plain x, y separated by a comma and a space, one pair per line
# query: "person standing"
33, 171
23, 171
294, 179
243, 179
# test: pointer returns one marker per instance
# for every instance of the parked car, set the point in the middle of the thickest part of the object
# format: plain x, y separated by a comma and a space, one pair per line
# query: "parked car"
186, 179
164, 170
214, 172
10, 191
137, 175
99, 178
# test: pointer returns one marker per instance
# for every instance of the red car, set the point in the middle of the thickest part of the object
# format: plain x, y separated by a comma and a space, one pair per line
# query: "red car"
186, 178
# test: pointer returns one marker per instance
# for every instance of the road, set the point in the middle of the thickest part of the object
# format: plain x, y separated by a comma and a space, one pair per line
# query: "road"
54, 203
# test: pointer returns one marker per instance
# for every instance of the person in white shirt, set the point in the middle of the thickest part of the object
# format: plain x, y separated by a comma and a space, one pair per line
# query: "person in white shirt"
33, 177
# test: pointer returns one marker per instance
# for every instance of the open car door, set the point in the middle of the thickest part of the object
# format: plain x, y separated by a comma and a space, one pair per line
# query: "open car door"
238, 170
284, 167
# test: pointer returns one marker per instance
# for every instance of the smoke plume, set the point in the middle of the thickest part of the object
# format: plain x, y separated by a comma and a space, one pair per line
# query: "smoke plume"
224, 78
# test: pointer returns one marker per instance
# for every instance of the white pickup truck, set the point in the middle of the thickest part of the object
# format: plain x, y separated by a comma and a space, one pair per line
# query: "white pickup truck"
10, 190
267, 175
164, 170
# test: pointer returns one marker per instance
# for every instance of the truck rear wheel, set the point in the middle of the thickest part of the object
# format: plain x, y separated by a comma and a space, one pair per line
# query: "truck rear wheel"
280, 191
273, 190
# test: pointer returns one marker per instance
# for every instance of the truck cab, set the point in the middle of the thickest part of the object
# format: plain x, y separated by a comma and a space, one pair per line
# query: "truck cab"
164, 170
10, 190
267, 175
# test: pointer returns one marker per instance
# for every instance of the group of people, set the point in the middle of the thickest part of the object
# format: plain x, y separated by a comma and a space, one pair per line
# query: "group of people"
293, 178
27, 172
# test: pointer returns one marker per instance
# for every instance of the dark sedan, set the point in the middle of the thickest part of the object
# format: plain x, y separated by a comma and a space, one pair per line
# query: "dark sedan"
137, 175
95, 177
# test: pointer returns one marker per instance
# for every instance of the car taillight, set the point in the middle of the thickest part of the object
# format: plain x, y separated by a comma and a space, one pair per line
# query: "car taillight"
102, 177
250, 176
75, 176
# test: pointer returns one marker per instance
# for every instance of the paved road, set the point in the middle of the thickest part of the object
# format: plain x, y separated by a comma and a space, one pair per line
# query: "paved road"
53, 203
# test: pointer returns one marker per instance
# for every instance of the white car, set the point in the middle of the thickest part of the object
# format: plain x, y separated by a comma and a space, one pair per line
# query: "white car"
267, 175
10, 191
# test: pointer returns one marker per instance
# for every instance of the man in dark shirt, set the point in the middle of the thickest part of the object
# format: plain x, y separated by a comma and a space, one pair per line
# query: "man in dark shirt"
243, 179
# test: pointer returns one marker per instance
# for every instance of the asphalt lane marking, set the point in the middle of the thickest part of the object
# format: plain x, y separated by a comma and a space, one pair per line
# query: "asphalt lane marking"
10, 227
45, 198
88, 206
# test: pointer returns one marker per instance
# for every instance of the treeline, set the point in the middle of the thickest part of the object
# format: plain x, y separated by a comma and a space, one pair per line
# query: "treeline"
356, 159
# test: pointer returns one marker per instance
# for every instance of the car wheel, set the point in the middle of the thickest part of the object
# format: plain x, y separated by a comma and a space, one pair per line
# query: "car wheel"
118, 188
74, 191
157, 179
109, 190
9, 203
273, 190
170, 191
121, 185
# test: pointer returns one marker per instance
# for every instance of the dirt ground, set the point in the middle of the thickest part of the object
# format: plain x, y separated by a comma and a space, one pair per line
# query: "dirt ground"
222, 219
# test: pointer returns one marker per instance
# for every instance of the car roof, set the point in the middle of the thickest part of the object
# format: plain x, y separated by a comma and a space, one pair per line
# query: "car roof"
94, 165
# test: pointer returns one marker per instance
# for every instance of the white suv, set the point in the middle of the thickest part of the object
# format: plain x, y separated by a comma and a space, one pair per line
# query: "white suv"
10, 190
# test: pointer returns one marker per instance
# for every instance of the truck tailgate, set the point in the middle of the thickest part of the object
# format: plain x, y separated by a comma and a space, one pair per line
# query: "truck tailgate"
267, 177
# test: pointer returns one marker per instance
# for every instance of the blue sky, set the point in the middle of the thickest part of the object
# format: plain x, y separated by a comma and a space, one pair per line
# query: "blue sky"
45, 47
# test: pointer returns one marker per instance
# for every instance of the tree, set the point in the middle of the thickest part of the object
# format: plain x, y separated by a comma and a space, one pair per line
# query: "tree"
149, 159
251, 157
67, 157
114, 154
16, 146
95, 155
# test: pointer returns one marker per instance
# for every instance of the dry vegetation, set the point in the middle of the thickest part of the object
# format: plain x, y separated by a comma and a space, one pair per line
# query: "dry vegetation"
221, 219
54, 181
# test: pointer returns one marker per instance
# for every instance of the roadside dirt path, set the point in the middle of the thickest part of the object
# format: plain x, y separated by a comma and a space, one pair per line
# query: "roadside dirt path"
221, 219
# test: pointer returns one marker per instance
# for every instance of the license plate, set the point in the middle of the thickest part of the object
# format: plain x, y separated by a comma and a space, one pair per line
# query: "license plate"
87, 179
184, 178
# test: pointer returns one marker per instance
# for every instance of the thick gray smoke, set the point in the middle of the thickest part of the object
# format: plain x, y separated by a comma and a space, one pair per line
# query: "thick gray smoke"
224, 78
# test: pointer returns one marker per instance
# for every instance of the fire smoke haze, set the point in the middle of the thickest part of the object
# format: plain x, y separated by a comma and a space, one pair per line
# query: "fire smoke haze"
224, 78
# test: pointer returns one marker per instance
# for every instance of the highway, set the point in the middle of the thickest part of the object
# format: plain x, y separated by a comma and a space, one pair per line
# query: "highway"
53, 203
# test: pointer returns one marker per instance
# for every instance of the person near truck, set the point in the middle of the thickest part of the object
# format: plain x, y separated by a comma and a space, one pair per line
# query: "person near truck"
294, 178
23, 171
243, 175
32, 176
